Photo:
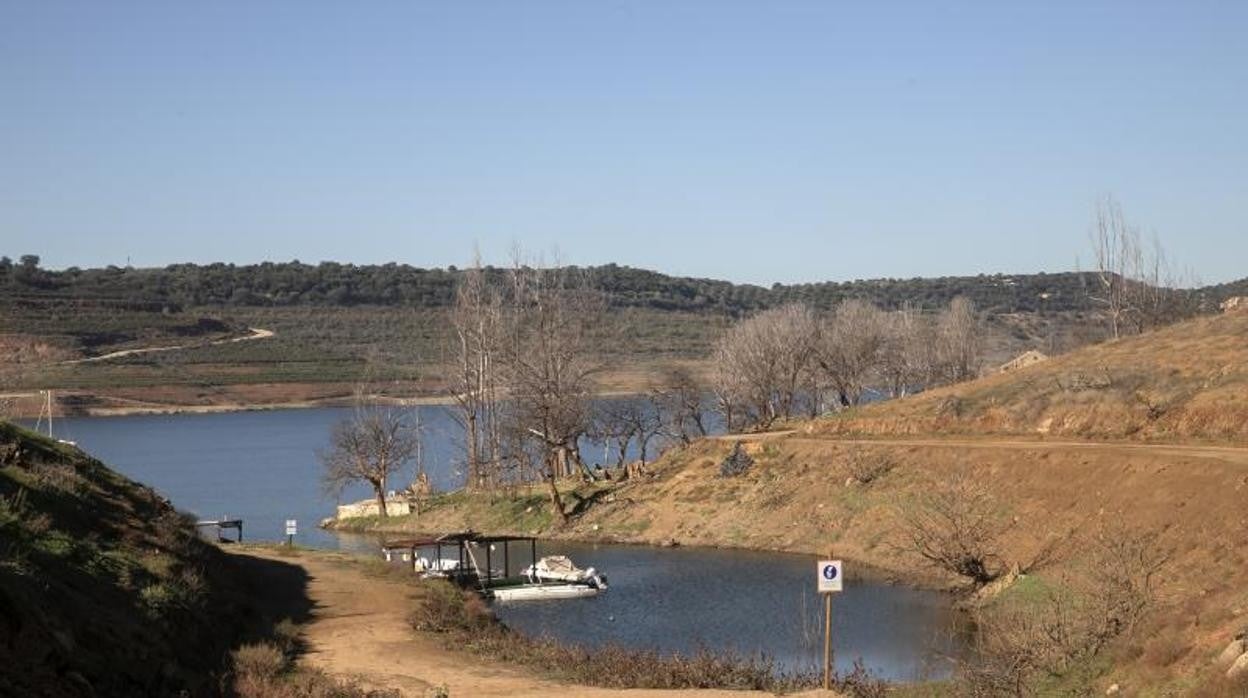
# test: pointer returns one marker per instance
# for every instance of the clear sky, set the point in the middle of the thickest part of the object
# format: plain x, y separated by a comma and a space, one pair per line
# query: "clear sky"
753, 141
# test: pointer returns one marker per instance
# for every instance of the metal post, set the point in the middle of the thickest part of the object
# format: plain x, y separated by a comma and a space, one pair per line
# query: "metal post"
827, 642
506, 559
827, 637
489, 574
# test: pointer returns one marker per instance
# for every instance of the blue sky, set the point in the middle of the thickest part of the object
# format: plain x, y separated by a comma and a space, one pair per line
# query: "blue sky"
753, 141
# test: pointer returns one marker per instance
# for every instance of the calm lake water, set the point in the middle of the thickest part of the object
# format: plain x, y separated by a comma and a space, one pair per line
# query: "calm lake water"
262, 467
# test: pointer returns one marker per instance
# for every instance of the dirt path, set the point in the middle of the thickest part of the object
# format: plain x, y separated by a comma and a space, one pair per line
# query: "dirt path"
358, 630
1230, 454
256, 333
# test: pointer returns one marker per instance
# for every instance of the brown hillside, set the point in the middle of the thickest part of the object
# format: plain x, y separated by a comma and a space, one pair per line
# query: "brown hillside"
1187, 381
107, 590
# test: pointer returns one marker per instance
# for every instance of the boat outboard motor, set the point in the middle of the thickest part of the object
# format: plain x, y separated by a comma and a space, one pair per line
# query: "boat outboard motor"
597, 581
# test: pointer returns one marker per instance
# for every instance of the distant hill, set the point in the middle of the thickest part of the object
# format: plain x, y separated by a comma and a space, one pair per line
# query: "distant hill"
1185, 381
342, 285
342, 323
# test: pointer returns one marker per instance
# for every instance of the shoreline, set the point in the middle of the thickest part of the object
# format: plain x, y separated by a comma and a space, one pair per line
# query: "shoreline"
27, 404
874, 569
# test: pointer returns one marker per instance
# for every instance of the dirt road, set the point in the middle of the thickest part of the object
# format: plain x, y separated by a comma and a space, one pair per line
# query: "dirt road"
256, 333
358, 630
1230, 454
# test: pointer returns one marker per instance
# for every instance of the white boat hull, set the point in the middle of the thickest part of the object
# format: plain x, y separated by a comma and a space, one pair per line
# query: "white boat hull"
543, 591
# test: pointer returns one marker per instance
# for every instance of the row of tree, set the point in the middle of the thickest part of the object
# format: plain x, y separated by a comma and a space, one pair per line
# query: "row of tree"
790, 360
333, 284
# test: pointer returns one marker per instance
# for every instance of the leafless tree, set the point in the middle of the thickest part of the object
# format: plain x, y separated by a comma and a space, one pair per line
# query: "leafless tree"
372, 445
957, 527
477, 326
762, 363
905, 355
627, 421
1023, 647
679, 405
850, 349
549, 363
958, 342
1115, 246
1136, 285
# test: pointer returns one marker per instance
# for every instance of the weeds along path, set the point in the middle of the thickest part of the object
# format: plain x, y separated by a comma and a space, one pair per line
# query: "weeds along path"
1229, 454
256, 333
358, 630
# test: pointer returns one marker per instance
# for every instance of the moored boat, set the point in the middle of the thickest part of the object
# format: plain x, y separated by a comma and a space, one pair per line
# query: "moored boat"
551, 577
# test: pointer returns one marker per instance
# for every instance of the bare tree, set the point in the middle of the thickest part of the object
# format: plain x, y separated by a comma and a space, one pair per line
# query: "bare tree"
958, 342
550, 360
957, 527
679, 405
627, 421
762, 363
905, 355
1116, 248
476, 323
370, 446
850, 349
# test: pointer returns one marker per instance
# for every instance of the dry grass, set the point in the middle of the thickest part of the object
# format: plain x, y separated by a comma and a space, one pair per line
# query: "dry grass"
1186, 381
267, 670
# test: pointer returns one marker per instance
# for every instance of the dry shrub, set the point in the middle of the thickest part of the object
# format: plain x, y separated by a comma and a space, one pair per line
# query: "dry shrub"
866, 467
738, 462
1164, 649
957, 527
265, 670
446, 608
59, 477
1026, 645
262, 661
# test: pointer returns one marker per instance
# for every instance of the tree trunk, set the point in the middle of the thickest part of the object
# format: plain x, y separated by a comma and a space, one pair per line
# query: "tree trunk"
556, 502
381, 500
474, 459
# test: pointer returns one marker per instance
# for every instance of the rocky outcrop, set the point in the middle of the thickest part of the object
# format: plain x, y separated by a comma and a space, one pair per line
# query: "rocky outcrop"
1234, 659
1023, 360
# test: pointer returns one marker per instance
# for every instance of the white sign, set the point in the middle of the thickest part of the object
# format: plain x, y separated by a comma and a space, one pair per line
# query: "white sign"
831, 576
290, 527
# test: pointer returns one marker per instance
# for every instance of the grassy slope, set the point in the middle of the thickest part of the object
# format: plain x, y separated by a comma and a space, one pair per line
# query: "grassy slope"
1188, 381
104, 588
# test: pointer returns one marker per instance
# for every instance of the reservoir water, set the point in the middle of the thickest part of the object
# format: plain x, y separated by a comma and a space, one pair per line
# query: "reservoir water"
262, 467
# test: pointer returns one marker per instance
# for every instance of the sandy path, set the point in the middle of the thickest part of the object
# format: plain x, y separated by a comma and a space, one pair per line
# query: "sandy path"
1230, 454
256, 333
358, 630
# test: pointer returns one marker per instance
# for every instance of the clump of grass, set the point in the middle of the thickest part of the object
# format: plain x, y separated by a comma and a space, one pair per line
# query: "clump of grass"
866, 468
445, 608
266, 669
737, 463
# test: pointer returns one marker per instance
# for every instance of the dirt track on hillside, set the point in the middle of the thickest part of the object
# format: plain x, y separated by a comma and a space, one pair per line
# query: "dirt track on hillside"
256, 333
1230, 454
358, 630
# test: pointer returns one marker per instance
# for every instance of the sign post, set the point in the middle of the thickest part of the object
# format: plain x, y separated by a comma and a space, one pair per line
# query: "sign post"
831, 581
291, 528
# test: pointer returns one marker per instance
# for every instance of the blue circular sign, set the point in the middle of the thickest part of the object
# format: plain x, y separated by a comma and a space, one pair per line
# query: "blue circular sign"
829, 572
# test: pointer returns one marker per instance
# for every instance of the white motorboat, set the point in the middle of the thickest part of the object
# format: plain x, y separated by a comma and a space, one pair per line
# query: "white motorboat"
552, 577
559, 568
540, 592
